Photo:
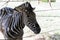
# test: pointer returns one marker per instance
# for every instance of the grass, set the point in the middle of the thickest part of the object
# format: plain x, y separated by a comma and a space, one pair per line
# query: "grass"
47, 0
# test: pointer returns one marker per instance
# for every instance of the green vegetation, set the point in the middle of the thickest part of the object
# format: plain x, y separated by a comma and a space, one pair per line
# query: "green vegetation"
48, 0
44, 0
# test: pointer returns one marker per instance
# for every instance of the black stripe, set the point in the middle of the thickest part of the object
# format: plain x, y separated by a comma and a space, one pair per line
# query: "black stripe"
9, 35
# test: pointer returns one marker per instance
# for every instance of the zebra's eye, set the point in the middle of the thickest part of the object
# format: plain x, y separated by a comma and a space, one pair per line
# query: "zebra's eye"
28, 22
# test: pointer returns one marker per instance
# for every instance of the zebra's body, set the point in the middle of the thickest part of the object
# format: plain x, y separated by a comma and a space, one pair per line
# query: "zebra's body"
11, 22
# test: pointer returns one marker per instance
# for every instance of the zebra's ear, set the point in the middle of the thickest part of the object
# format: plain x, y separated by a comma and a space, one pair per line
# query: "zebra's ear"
27, 4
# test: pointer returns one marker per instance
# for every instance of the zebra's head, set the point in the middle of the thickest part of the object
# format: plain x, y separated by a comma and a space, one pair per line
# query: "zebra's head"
29, 17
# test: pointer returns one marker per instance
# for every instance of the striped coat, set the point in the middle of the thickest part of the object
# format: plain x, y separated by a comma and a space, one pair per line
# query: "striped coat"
11, 23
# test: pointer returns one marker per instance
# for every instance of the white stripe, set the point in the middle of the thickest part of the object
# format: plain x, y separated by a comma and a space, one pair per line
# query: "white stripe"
11, 35
19, 28
14, 31
0, 17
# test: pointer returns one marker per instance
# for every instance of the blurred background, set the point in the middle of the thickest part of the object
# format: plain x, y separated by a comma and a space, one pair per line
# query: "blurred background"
47, 15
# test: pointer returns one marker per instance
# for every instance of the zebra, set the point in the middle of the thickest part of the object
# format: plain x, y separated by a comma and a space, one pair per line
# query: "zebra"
13, 21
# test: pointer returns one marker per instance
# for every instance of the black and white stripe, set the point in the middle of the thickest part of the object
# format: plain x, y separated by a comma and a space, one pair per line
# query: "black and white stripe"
13, 26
